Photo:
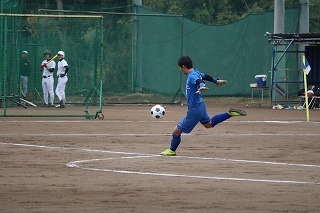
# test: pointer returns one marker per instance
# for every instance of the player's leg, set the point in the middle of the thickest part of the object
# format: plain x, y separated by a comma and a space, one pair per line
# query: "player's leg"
58, 89
21, 86
208, 122
24, 84
218, 118
51, 92
59, 93
176, 139
175, 142
186, 125
45, 91
62, 91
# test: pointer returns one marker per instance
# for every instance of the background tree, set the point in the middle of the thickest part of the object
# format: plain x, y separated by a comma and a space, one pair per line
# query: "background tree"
215, 12
210, 12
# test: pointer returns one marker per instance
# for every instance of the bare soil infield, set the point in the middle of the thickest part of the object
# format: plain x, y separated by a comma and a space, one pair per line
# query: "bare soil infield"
268, 161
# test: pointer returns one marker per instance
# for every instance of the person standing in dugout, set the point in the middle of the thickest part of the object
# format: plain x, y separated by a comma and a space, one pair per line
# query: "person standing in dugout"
47, 69
24, 73
63, 69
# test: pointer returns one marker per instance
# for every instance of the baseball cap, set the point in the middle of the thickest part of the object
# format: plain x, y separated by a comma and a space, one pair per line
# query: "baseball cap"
25, 52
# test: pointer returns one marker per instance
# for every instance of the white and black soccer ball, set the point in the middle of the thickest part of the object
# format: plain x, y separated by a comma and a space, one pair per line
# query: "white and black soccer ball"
158, 111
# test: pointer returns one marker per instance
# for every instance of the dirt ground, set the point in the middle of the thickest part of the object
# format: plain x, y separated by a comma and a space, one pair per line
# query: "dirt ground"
268, 161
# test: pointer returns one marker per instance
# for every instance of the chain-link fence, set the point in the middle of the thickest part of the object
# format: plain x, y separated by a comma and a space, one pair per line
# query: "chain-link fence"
131, 57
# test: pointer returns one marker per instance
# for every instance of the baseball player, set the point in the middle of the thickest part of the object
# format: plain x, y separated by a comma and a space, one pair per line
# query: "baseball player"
62, 79
24, 73
196, 107
47, 68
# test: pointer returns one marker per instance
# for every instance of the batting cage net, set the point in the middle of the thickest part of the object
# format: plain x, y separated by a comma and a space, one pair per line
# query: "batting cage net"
26, 38
118, 58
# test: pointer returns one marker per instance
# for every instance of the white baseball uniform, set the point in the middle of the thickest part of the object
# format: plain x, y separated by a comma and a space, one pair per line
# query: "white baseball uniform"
48, 81
62, 80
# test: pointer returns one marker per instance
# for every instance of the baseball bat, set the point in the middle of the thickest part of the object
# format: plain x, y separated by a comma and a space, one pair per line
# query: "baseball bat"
54, 57
28, 102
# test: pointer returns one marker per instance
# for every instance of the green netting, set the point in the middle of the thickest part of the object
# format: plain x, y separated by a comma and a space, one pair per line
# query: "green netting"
159, 45
140, 54
78, 36
236, 52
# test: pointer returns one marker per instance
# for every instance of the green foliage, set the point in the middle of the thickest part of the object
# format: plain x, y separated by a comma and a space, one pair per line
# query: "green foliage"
118, 33
314, 16
209, 12
217, 12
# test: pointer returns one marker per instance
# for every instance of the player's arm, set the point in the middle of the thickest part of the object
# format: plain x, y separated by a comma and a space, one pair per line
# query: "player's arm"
51, 66
213, 80
201, 85
66, 66
207, 77
28, 66
66, 69
42, 66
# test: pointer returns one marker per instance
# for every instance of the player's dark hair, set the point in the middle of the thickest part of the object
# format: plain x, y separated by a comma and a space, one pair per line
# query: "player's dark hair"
186, 61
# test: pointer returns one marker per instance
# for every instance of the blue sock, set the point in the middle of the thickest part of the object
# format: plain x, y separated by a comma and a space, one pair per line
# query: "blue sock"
218, 118
175, 141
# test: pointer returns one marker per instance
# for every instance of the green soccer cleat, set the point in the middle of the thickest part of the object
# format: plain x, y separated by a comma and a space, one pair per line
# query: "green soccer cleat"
168, 152
236, 112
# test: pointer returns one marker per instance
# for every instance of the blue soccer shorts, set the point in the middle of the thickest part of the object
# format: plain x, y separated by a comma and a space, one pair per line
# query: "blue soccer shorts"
193, 117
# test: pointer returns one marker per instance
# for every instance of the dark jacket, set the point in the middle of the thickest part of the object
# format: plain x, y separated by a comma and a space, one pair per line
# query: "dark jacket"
24, 67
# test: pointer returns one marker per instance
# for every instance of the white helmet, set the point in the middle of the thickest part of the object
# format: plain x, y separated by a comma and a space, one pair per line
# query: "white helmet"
61, 53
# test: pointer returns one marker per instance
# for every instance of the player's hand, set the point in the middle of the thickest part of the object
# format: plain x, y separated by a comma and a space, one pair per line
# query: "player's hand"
221, 82
202, 89
44, 65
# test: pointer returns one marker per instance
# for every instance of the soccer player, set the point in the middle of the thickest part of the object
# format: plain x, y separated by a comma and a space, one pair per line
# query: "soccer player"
62, 79
196, 107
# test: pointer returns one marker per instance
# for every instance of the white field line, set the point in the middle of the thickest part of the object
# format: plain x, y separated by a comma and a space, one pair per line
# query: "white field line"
153, 134
156, 155
76, 164
150, 121
88, 121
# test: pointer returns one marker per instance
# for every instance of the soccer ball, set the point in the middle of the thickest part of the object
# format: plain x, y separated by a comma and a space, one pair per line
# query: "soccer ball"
157, 111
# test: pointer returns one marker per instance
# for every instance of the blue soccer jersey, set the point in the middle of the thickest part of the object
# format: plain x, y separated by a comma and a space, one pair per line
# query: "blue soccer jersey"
196, 107
193, 98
